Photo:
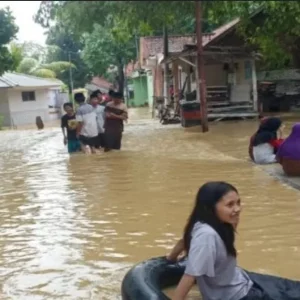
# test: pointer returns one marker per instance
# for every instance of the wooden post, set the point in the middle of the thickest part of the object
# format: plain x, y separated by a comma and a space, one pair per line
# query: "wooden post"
254, 85
166, 76
201, 90
188, 83
175, 83
154, 90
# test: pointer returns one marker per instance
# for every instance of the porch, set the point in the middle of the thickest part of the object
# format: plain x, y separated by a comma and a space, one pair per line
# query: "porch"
230, 81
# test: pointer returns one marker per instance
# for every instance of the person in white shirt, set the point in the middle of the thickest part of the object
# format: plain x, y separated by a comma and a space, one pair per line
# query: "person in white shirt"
100, 113
87, 129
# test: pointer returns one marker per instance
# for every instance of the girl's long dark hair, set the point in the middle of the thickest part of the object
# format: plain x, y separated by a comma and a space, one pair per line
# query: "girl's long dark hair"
204, 211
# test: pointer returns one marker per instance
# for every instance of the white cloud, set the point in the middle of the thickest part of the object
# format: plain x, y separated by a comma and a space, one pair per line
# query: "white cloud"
24, 11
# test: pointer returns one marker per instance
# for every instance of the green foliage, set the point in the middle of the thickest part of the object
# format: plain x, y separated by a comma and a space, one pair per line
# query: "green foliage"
27, 65
8, 31
34, 50
8, 27
17, 54
61, 45
105, 41
41, 72
276, 33
107, 47
32, 66
275, 30
59, 67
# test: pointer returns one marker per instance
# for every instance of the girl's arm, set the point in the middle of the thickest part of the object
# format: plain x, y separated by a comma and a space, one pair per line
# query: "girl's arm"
176, 251
184, 286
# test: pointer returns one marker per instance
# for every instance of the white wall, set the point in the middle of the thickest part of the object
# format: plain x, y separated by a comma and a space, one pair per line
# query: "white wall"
150, 89
24, 113
4, 107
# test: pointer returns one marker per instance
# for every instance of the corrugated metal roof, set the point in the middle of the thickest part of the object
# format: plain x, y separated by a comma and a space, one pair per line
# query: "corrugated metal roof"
9, 80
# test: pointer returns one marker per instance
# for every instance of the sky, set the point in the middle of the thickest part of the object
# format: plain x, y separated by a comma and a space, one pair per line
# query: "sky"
23, 11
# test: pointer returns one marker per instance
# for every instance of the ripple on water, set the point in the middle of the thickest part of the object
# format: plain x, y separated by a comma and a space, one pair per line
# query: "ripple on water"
72, 226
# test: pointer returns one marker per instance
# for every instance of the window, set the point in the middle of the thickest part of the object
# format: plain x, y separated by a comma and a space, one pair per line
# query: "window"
28, 96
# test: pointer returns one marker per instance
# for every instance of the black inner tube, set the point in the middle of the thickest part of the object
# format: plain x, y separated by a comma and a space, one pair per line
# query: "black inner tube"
146, 280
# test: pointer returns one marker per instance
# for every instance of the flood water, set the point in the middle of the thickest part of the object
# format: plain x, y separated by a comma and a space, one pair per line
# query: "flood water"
72, 226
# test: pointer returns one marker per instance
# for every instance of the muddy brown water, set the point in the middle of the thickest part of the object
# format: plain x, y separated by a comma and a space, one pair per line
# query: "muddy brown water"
71, 227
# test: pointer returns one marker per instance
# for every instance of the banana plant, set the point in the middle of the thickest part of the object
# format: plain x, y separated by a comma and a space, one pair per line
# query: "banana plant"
31, 66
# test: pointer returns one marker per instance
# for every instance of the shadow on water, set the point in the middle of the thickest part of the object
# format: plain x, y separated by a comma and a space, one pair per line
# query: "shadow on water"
72, 226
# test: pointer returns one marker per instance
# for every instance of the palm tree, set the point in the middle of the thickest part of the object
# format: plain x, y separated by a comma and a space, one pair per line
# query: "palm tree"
32, 65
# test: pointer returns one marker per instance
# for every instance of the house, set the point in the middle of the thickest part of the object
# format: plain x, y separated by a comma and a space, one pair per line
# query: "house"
148, 77
137, 85
98, 83
230, 74
24, 97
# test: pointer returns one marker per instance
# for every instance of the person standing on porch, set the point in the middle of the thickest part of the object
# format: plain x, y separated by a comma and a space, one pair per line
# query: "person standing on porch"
115, 114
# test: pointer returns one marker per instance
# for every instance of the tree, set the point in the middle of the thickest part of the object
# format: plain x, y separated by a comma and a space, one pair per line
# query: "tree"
17, 54
106, 40
276, 34
62, 46
106, 47
32, 66
30, 58
7, 34
34, 50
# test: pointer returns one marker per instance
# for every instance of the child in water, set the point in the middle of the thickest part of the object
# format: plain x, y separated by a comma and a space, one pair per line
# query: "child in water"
266, 141
69, 124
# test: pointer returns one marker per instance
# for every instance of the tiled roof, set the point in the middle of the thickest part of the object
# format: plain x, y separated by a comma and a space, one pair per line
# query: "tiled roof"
101, 82
153, 45
150, 46
9, 80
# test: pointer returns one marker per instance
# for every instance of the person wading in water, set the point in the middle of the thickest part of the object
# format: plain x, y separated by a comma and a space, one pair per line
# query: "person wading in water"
116, 114
87, 129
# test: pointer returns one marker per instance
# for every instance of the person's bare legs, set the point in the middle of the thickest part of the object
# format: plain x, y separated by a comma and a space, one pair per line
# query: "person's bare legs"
93, 150
85, 148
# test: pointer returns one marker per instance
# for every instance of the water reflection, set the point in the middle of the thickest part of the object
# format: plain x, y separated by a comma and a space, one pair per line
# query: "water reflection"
72, 226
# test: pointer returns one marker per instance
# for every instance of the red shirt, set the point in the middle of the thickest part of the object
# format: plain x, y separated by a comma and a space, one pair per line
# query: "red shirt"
276, 143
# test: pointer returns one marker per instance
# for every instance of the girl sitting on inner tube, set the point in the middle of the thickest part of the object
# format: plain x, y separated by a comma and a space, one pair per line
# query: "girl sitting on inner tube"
266, 141
209, 242
288, 154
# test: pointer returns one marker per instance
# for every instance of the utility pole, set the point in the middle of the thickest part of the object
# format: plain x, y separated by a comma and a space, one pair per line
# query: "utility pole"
201, 86
125, 83
137, 49
166, 69
71, 77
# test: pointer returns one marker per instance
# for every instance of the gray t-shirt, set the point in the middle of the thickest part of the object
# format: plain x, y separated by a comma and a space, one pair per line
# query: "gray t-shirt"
217, 274
86, 114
